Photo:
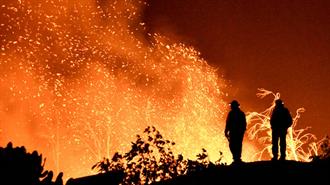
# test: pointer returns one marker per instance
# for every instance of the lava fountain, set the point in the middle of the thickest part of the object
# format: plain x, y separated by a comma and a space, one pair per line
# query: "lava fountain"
79, 79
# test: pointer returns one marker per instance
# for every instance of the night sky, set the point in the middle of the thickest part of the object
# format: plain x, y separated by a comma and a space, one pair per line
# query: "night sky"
279, 45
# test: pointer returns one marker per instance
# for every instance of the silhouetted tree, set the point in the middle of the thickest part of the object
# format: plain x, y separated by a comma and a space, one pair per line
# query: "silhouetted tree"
19, 167
151, 159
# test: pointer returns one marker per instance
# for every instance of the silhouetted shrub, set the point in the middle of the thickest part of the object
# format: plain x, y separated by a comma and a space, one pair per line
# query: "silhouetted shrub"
19, 167
324, 150
151, 159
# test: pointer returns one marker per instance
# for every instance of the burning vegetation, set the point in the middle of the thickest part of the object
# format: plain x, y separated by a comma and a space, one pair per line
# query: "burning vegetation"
79, 78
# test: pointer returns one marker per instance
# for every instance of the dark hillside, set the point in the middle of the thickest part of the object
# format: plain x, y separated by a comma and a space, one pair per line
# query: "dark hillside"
263, 172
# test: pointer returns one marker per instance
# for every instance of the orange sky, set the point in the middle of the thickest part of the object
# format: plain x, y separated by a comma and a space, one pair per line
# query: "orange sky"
61, 106
280, 45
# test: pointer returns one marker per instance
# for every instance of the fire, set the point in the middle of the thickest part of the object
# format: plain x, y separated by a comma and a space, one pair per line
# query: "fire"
79, 79
301, 145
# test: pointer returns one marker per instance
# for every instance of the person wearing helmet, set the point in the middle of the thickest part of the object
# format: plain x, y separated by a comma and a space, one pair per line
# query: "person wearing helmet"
235, 129
280, 121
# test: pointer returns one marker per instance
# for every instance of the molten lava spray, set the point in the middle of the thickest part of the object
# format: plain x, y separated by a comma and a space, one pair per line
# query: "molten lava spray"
301, 144
79, 79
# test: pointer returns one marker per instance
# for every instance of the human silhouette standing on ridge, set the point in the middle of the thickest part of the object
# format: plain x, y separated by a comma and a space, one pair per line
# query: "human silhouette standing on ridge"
280, 121
235, 129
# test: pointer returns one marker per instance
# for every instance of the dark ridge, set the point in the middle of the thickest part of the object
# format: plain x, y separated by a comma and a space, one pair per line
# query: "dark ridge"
112, 178
261, 172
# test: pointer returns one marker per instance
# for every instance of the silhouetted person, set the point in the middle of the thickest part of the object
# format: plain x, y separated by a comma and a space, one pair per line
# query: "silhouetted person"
235, 128
280, 121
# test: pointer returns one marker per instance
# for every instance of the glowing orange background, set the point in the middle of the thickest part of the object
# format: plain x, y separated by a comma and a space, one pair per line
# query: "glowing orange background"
276, 44
80, 78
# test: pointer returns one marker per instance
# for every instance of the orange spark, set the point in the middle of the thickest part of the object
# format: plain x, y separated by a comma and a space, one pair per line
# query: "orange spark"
79, 80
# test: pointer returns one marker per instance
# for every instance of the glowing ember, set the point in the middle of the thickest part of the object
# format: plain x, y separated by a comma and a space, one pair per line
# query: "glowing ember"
79, 80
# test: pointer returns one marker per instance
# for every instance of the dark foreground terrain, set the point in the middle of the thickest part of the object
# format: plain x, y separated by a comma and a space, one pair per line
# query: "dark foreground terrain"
262, 172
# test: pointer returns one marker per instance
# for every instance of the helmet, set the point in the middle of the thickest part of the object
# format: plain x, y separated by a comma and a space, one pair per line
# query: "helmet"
279, 102
234, 103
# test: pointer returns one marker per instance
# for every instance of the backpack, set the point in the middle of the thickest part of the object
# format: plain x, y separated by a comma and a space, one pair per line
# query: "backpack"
288, 120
